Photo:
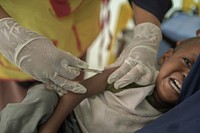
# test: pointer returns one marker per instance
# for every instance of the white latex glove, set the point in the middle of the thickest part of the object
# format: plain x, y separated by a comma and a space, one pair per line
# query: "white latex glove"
37, 56
137, 61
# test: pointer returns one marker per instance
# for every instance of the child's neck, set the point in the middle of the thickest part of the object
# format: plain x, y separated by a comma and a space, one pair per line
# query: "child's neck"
157, 103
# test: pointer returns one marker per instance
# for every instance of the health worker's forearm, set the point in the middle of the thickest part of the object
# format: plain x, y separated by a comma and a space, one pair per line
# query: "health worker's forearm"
141, 16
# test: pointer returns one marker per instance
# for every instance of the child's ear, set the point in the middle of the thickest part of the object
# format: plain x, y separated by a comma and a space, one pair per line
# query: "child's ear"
198, 33
178, 43
166, 56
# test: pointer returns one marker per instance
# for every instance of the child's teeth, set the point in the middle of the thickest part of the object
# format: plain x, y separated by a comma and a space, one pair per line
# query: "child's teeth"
175, 85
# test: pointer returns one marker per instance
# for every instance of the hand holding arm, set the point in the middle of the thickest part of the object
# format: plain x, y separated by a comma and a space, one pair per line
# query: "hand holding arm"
137, 61
37, 56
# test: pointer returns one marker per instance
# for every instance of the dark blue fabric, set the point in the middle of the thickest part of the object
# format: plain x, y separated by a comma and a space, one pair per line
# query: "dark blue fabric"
192, 84
157, 7
185, 117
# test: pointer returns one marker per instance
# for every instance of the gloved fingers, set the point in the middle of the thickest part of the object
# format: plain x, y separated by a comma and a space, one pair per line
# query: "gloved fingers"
66, 84
121, 71
74, 61
132, 76
60, 91
144, 80
148, 78
128, 64
68, 71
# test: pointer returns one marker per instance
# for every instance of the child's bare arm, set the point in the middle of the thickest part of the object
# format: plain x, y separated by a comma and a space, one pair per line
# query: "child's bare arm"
69, 101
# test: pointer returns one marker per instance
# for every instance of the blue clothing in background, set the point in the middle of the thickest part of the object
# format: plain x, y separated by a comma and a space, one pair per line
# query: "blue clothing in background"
185, 117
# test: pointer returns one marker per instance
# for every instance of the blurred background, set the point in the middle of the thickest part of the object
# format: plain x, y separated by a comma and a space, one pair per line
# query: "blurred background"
117, 33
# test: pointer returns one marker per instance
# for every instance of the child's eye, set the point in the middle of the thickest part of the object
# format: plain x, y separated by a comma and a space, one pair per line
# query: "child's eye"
187, 61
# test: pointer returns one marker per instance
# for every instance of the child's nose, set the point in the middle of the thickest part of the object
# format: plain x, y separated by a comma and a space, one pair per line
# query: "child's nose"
185, 74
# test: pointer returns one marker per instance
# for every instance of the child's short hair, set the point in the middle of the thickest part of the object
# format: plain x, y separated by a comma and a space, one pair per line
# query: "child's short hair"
190, 41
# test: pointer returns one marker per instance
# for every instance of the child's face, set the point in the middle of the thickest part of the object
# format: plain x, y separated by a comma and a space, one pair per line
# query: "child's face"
175, 66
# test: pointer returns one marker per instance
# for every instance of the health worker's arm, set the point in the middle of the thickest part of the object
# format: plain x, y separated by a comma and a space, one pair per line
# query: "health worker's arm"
69, 101
37, 56
137, 62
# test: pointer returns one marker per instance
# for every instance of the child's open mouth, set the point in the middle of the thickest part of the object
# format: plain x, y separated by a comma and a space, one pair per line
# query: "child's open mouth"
175, 85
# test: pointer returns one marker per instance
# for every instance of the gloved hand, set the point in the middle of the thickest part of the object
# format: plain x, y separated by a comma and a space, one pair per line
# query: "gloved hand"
37, 56
137, 61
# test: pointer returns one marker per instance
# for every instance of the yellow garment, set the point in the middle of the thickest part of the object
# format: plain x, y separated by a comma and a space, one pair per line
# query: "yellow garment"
125, 14
73, 32
191, 5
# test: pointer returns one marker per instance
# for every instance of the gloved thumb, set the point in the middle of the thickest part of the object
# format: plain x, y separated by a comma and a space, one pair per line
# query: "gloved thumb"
148, 78
68, 71
74, 61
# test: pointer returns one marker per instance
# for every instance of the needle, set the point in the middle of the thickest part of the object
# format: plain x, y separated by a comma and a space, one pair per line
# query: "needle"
86, 69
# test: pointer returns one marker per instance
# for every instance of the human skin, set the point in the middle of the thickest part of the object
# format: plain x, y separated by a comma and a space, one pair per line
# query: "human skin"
64, 108
175, 66
3, 14
141, 16
69, 101
198, 32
